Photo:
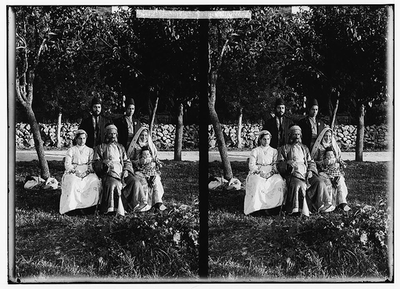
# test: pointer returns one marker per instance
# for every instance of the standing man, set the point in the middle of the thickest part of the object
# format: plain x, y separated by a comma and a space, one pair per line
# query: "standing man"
127, 125
278, 125
311, 126
95, 124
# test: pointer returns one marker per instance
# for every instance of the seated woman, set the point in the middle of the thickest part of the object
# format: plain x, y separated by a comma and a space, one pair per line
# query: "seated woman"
155, 192
80, 186
326, 142
265, 188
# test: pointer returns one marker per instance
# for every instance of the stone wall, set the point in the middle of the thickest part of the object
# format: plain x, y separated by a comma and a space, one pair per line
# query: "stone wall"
163, 135
376, 137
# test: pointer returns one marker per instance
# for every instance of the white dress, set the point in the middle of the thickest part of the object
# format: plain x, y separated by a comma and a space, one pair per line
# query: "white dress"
263, 193
79, 189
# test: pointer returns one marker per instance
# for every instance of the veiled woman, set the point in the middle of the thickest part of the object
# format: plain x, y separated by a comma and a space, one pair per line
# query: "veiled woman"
265, 188
339, 192
80, 186
154, 194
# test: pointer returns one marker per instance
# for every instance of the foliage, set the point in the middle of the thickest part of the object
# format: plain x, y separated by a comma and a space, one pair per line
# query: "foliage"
330, 247
137, 246
340, 53
254, 63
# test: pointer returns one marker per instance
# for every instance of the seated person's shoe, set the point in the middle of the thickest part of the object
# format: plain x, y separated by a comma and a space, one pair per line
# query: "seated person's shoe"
345, 207
329, 208
142, 207
159, 207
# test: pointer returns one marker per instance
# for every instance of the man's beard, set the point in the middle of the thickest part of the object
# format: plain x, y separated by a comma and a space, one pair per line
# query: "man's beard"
96, 113
112, 140
280, 114
295, 140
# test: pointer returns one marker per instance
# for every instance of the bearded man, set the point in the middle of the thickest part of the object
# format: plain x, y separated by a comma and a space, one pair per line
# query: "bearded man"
113, 166
305, 189
95, 124
279, 125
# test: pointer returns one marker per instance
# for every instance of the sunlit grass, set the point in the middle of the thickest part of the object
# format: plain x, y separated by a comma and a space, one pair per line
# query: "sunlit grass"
331, 247
147, 246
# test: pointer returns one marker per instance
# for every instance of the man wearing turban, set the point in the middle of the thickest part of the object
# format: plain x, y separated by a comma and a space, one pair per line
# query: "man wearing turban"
112, 164
296, 165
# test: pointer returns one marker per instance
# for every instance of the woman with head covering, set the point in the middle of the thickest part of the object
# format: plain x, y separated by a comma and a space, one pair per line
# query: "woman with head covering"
80, 186
326, 141
265, 188
155, 193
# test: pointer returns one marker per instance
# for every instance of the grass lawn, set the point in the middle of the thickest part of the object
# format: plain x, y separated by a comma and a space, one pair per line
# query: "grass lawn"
336, 246
50, 247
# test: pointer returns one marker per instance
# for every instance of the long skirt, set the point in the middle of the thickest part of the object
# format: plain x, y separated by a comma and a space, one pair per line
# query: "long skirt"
320, 194
133, 193
153, 193
339, 192
263, 193
79, 193
296, 196
111, 195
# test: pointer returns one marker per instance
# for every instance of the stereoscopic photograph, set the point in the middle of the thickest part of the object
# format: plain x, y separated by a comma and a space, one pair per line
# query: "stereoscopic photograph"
198, 144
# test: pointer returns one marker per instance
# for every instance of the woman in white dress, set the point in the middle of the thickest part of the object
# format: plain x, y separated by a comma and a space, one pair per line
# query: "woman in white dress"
80, 186
265, 188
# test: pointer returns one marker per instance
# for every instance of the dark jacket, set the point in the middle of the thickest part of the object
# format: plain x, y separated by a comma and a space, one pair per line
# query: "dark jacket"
122, 126
88, 125
272, 127
305, 126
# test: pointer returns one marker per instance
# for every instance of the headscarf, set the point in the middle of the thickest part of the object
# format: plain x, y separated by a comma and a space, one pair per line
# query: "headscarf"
110, 128
135, 143
261, 135
293, 129
321, 145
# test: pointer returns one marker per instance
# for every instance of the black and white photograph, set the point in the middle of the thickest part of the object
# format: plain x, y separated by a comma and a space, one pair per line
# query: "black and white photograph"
191, 144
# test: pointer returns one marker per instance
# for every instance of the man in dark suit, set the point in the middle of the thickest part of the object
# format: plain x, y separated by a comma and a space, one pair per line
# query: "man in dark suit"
279, 125
95, 124
311, 126
127, 125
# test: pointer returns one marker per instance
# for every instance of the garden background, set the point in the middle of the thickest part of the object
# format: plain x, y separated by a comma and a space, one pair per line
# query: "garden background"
336, 54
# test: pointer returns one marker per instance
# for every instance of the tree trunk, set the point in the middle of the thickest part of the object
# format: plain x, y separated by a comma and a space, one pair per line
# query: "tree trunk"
59, 129
153, 114
44, 167
217, 127
178, 134
334, 114
360, 133
239, 129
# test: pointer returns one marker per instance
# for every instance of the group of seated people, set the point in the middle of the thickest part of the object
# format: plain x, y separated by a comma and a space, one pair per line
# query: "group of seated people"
294, 178
111, 177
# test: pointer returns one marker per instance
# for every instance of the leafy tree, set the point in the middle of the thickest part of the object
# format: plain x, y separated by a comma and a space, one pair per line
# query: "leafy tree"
341, 54
33, 39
